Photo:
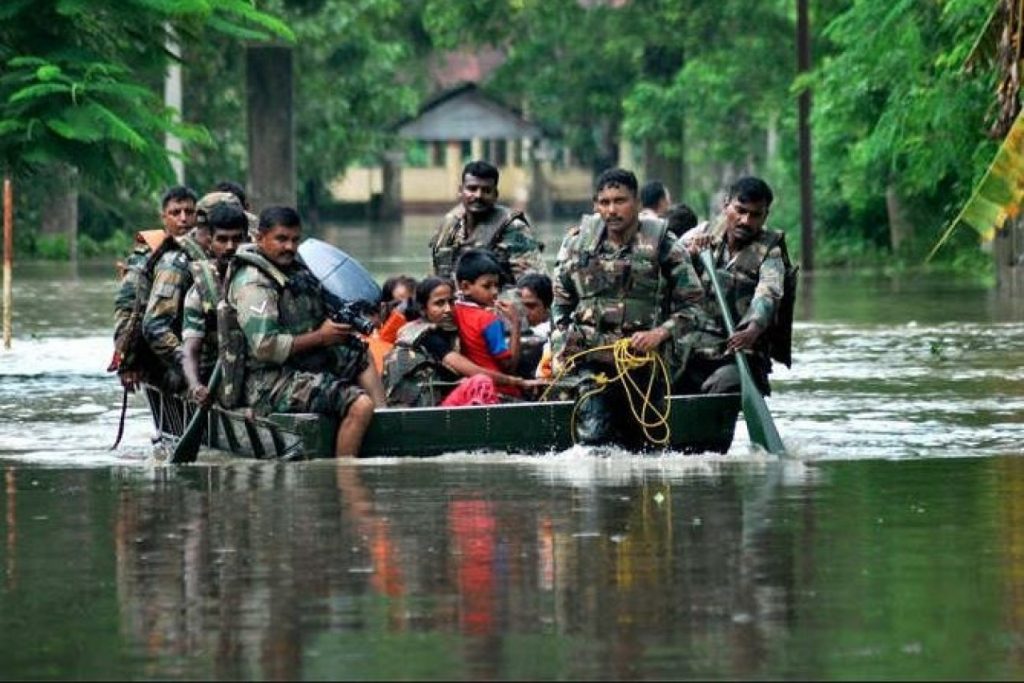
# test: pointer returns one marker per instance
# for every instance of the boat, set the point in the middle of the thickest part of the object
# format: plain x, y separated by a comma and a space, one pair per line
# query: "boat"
701, 423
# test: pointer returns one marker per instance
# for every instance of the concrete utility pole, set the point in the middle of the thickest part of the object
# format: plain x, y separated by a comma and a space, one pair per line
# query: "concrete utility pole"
173, 100
803, 61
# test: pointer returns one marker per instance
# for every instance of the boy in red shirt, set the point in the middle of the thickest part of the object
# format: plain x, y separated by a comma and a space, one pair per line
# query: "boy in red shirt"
483, 320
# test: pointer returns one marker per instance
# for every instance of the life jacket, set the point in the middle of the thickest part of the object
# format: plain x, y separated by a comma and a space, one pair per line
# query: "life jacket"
619, 295
448, 243
411, 377
780, 333
740, 283
231, 346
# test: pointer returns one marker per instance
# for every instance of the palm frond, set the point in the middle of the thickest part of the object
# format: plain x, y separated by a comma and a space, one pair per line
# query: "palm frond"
1000, 194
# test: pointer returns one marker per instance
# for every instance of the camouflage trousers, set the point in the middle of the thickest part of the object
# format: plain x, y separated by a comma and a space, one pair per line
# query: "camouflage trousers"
293, 390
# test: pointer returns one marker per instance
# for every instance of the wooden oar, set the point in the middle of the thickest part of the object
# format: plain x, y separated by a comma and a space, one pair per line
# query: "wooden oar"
188, 446
760, 426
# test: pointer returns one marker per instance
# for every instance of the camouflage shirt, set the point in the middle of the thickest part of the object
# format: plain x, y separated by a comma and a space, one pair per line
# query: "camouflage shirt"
199, 319
271, 317
161, 325
604, 292
505, 232
752, 280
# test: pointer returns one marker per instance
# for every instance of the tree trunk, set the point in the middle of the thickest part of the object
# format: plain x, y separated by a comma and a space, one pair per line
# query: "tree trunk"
59, 214
666, 169
901, 230
1008, 253
269, 99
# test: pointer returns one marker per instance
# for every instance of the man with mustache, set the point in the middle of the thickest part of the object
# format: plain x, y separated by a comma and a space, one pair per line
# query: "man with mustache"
619, 276
752, 265
479, 222
281, 353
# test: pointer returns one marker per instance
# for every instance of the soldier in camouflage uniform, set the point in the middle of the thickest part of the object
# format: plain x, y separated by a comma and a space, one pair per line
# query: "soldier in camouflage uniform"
133, 360
161, 324
752, 265
618, 276
296, 359
228, 228
478, 222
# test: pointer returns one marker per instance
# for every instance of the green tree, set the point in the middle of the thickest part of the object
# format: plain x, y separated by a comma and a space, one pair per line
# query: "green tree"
80, 82
898, 124
359, 66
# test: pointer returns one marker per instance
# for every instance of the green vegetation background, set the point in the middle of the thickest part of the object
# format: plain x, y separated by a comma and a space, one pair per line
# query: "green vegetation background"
708, 87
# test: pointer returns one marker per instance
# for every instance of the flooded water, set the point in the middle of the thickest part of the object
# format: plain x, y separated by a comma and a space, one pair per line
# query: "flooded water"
887, 545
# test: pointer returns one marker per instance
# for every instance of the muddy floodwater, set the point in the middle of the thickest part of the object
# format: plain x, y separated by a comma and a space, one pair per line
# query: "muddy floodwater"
888, 544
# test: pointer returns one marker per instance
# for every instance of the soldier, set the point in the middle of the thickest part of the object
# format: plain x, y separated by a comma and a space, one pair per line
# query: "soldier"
172, 278
752, 265
618, 277
655, 200
478, 222
133, 360
280, 351
236, 189
228, 229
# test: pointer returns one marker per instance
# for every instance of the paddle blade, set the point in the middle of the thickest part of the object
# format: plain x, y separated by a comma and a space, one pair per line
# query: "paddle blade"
760, 425
188, 446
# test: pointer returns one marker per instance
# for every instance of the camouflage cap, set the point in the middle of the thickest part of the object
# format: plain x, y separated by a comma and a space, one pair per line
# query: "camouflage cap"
210, 200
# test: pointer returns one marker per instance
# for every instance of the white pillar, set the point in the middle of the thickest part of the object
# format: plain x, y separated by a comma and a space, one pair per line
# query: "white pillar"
173, 100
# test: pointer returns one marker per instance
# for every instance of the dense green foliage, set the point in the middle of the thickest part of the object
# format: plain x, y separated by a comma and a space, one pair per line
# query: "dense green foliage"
702, 91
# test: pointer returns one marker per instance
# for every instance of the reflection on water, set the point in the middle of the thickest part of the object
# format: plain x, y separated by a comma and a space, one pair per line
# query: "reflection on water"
877, 549
433, 570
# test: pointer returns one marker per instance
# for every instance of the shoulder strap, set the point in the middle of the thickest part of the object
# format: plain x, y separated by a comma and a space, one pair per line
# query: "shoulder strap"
255, 259
192, 249
592, 228
411, 333
511, 217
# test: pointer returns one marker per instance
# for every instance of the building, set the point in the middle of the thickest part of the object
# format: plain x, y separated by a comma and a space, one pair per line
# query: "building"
458, 125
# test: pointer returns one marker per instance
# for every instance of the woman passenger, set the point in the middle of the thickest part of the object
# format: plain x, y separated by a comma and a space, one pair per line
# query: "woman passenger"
426, 368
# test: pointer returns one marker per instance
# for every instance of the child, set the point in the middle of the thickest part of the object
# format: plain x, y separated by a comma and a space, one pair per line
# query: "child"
426, 361
483, 320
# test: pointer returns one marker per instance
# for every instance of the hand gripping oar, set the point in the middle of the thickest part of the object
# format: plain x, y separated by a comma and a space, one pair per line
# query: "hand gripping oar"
760, 426
188, 446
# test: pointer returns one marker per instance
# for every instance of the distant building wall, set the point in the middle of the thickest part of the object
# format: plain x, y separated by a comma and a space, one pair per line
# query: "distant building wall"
432, 187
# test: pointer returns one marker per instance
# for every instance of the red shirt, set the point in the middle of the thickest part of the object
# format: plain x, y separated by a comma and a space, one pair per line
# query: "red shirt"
482, 338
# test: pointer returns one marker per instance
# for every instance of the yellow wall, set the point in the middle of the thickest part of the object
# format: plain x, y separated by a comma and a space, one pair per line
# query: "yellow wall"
434, 184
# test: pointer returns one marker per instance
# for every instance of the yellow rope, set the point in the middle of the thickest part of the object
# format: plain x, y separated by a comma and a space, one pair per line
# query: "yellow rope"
626, 360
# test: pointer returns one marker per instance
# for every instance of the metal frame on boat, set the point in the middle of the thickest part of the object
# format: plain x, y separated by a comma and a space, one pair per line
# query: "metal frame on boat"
698, 424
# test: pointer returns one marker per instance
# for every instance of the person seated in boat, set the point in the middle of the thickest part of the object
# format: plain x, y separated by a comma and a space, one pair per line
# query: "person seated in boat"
681, 219
236, 189
624, 291
753, 267
396, 296
228, 228
479, 222
427, 368
655, 199
535, 297
281, 352
489, 330
133, 360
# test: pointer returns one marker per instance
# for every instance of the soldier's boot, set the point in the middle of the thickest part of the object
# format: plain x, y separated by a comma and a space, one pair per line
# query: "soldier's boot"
593, 421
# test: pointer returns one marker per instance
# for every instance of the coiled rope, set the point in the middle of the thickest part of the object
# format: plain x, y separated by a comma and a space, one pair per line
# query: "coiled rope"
641, 404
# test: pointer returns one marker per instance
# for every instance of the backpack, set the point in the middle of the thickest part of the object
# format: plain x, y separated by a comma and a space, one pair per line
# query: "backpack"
780, 332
